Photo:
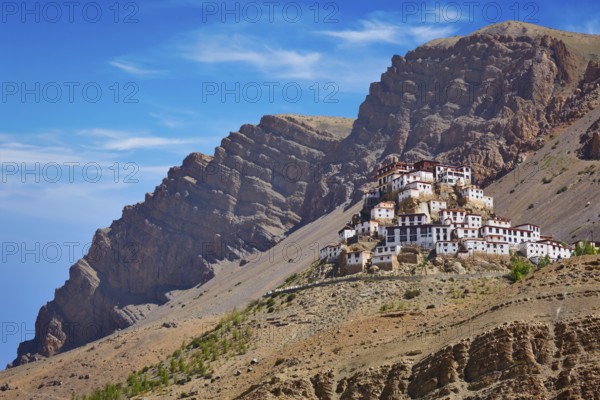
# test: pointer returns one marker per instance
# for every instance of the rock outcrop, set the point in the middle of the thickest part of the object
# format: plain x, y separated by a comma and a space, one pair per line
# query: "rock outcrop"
590, 148
483, 99
516, 360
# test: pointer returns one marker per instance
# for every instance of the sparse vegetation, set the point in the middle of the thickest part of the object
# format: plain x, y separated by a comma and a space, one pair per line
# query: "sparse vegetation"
411, 293
457, 293
562, 190
544, 261
590, 169
279, 361
530, 206
192, 359
547, 180
586, 248
520, 267
290, 297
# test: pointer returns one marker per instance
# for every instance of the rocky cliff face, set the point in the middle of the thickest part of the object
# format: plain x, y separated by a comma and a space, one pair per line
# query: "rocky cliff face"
533, 360
483, 99
591, 142
244, 198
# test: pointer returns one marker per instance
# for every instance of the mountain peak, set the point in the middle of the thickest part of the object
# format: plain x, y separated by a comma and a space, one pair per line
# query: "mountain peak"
515, 28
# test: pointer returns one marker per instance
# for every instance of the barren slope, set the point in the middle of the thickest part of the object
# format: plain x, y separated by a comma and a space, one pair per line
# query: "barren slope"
533, 340
530, 193
193, 311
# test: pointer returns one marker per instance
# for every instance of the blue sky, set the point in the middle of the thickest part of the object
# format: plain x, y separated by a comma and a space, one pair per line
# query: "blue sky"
100, 98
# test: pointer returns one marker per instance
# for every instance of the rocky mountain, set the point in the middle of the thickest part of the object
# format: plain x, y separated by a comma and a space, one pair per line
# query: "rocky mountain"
486, 99
242, 199
482, 99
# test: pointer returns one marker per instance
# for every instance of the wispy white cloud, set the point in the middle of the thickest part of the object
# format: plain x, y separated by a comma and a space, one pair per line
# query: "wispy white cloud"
136, 143
67, 191
119, 140
370, 32
592, 27
167, 120
248, 50
134, 69
12, 151
422, 34
377, 31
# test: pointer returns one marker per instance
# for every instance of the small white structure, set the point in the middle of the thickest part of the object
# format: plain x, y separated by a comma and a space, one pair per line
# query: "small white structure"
488, 202
475, 246
381, 230
386, 250
383, 210
409, 179
330, 253
475, 196
385, 257
498, 248
346, 233
453, 175
424, 188
419, 235
389, 172
372, 195
368, 228
543, 248
479, 246
465, 232
435, 206
473, 193
423, 176
473, 220
356, 262
513, 236
534, 229
408, 194
499, 222
412, 219
446, 248
453, 216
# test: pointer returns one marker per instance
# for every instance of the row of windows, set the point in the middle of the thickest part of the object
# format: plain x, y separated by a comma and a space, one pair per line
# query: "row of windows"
508, 232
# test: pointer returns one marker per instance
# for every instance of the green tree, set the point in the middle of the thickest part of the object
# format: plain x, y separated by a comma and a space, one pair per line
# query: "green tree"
544, 261
519, 268
585, 248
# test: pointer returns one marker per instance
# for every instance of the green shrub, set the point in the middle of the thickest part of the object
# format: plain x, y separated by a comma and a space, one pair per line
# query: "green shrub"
544, 261
519, 269
562, 190
411, 293
585, 249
